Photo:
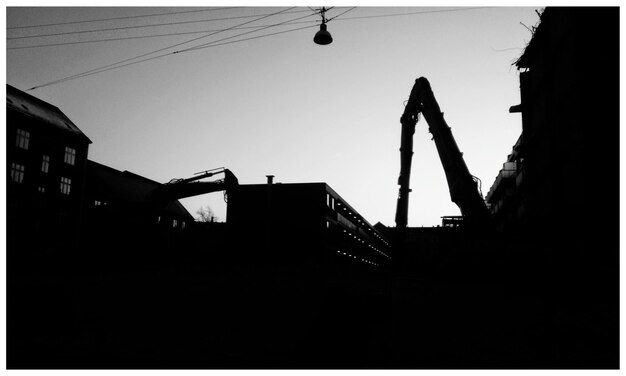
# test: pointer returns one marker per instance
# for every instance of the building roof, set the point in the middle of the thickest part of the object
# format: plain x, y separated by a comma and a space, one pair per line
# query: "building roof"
524, 60
588, 24
28, 105
294, 186
127, 187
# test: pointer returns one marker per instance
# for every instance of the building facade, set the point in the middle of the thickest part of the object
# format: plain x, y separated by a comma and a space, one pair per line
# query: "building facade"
118, 211
506, 199
569, 148
46, 162
305, 224
557, 196
58, 200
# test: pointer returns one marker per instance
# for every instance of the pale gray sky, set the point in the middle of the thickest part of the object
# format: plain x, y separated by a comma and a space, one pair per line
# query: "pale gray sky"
283, 105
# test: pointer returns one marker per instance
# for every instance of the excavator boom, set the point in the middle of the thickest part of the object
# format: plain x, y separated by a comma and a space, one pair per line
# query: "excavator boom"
463, 188
182, 188
408, 121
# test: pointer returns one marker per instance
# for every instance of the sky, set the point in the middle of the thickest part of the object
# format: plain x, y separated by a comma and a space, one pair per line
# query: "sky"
281, 104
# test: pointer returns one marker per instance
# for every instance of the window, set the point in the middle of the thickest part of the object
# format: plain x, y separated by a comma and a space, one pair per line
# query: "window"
41, 189
70, 155
45, 163
22, 139
97, 203
66, 185
174, 223
182, 225
330, 201
17, 172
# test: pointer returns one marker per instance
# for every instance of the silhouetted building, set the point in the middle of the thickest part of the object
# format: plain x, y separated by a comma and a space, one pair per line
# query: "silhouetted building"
71, 225
504, 198
46, 159
558, 193
304, 224
54, 192
570, 120
119, 209
427, 246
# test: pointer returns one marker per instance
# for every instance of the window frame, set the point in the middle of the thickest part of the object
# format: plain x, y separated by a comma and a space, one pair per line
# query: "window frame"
45, 163
70, 156
66, 186
17, 172
22, 139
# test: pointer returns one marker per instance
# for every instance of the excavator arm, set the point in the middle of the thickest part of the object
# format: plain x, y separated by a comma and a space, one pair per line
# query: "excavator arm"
408, 121
182, 188
462, 185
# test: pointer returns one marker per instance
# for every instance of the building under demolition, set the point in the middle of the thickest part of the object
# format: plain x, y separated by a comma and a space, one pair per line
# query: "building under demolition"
119, 215
557, 196
542, 289
291, 284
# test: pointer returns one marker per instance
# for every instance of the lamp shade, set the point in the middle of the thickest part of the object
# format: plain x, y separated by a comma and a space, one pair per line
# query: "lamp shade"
323, 37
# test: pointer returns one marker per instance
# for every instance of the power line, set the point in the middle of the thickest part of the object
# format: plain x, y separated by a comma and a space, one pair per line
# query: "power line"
238, 35
145, 26
163, 55
112, 66
206, 31
121, 18
341, 14
413, 13
255, 37
215, 43
144, 36
117, 64
128, 62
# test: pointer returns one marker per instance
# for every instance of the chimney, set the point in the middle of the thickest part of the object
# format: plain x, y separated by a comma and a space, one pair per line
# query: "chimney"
270, 179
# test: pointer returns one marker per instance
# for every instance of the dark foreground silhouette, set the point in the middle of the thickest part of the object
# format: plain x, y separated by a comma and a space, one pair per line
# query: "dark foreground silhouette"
181, 308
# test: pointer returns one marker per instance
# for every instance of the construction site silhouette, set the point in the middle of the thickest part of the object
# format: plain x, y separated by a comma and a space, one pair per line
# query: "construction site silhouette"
112, 272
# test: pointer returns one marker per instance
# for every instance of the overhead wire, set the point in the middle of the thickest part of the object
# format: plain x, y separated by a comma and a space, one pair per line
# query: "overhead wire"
234, 36
145, 26
215, 43
340, 14
200, 32
413, 13
97, 70
122, 18
159, 56
128, 62
267, 35
144, 36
